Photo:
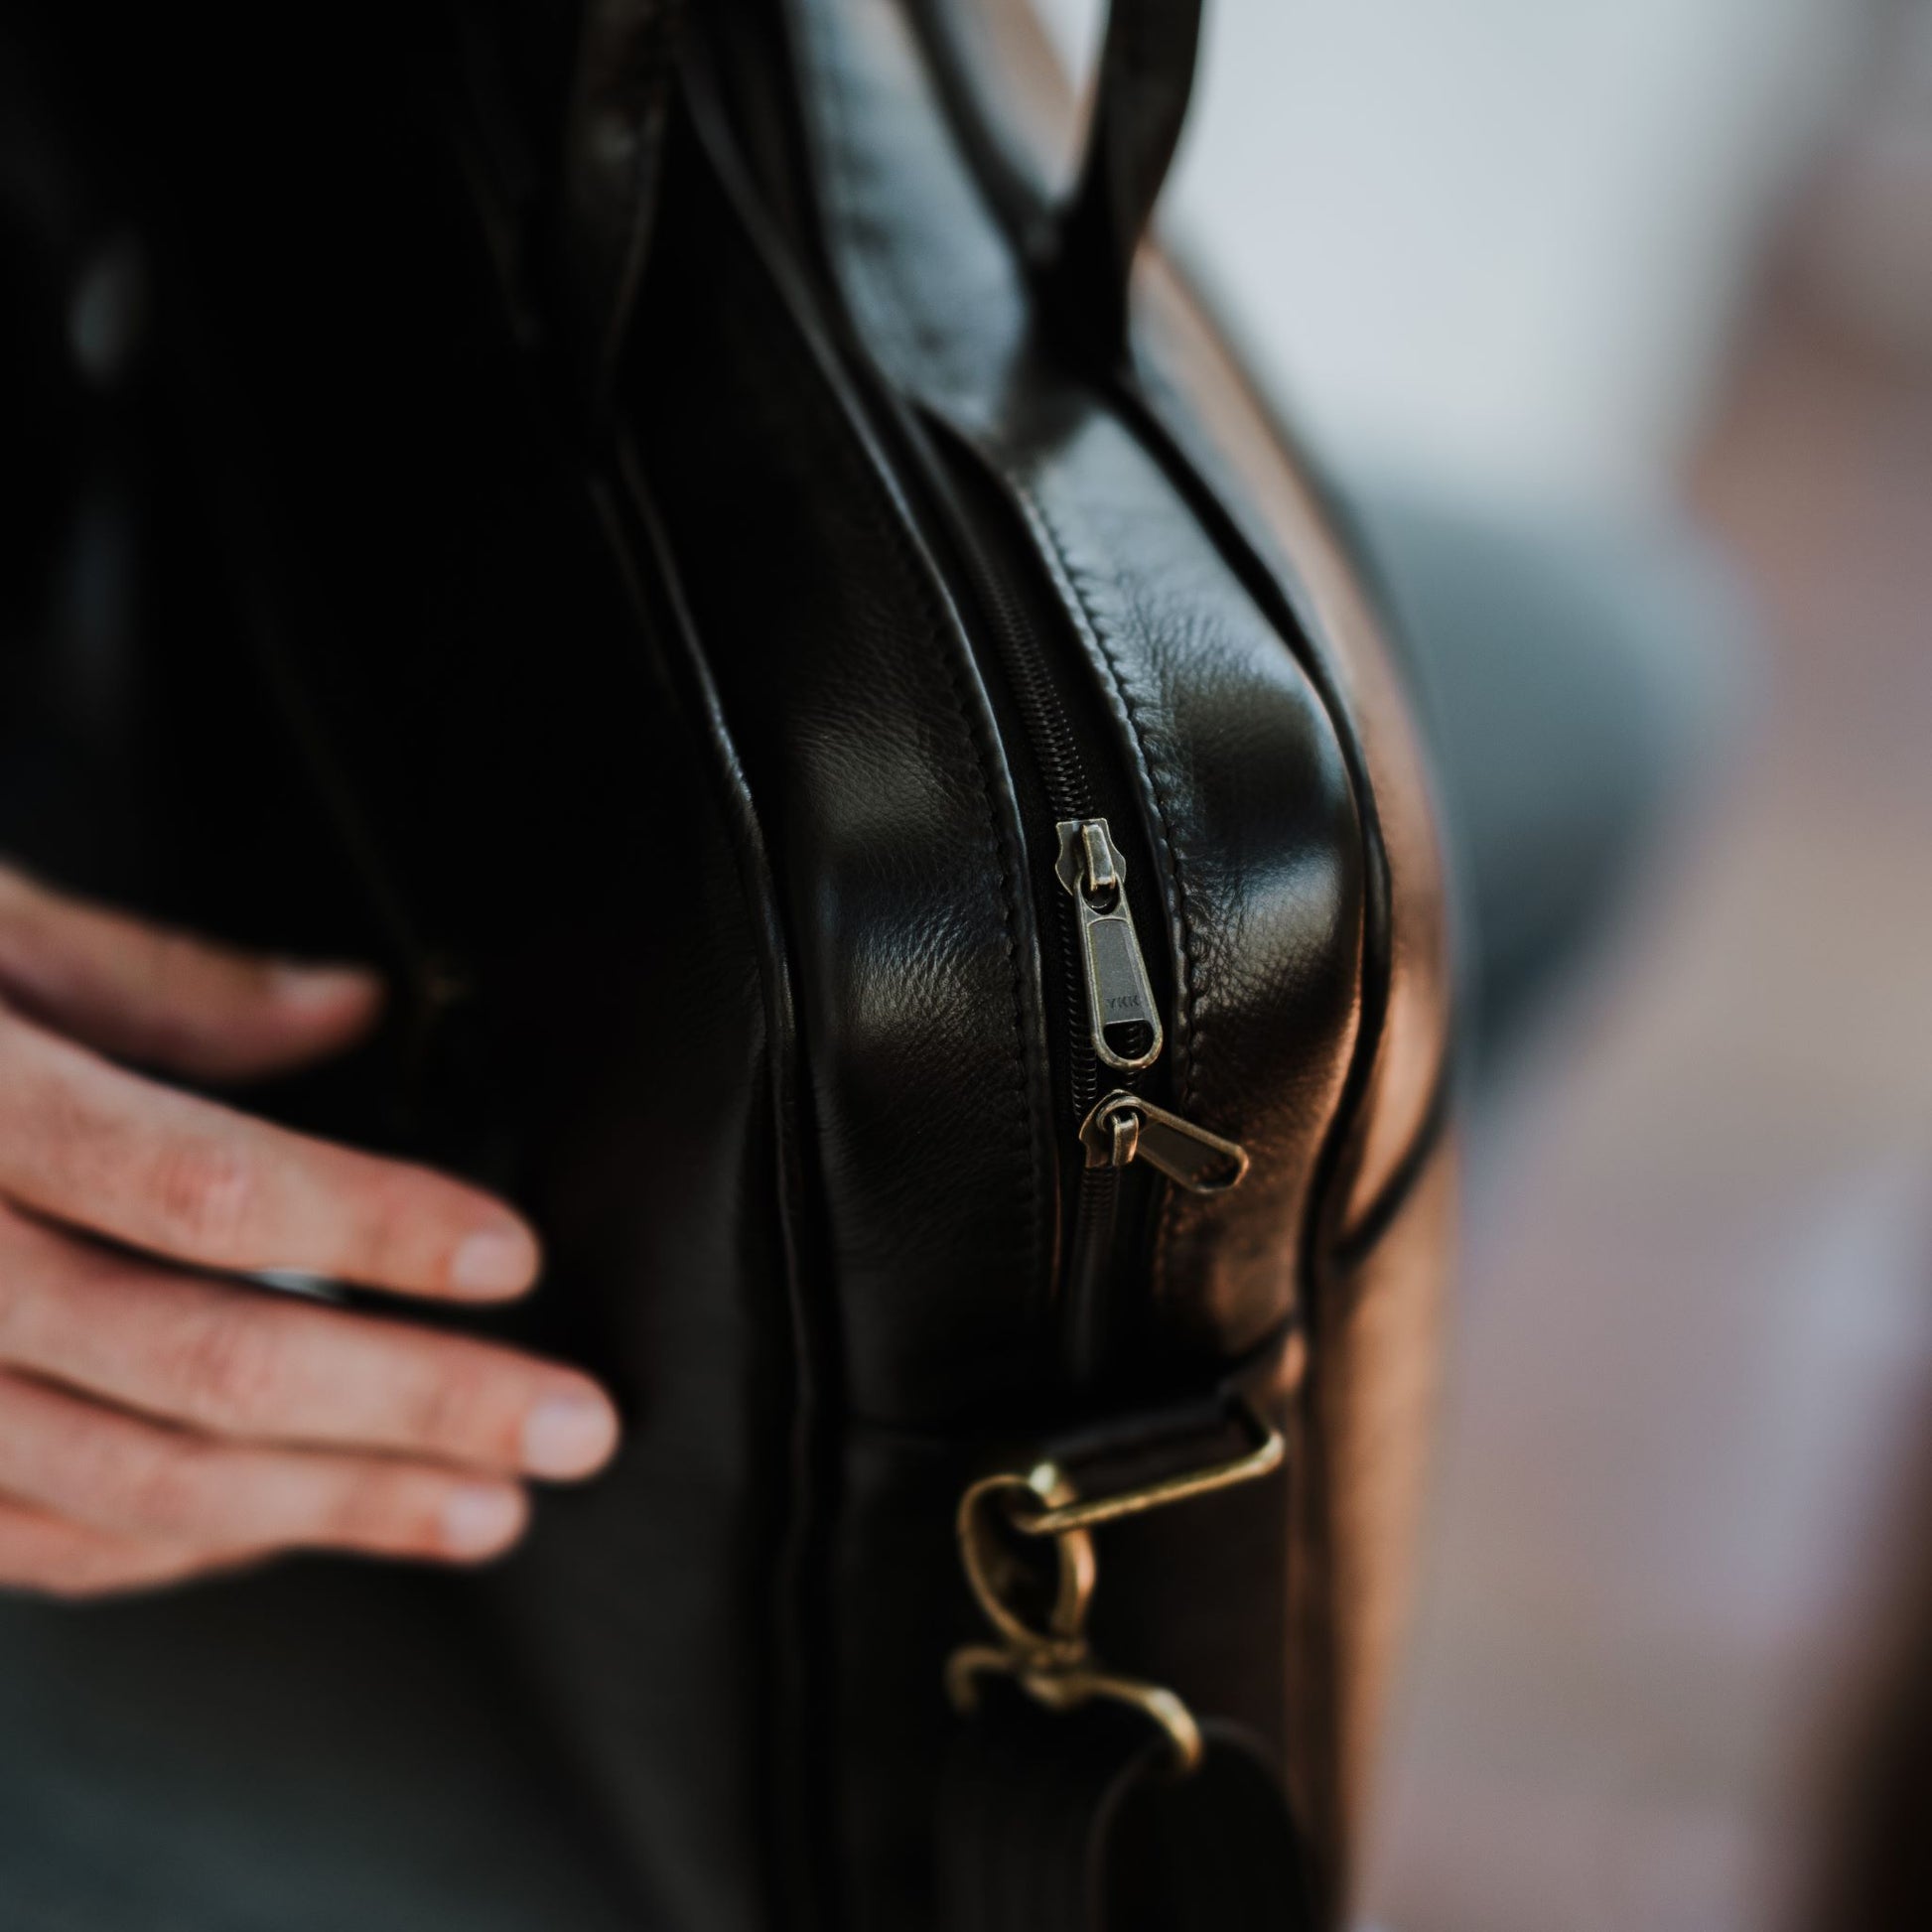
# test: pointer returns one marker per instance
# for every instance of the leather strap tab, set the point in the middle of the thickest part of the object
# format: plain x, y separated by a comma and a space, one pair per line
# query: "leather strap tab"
1076, 1823
1147, 71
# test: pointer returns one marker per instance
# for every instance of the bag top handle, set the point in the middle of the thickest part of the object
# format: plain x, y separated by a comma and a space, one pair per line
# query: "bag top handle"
1146, 76
614, 128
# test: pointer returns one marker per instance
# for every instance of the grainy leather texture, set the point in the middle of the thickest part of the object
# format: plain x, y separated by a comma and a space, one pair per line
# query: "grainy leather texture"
591, 522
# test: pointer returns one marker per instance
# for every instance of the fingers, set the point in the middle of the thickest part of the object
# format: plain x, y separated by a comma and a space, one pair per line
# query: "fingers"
240, 1362
55, 1558
155, 1425
126, 1478
141, 992
93, 1145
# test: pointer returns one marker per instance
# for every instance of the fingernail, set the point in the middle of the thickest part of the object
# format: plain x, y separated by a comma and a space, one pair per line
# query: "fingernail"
495, 1260
321, 989
478, 1520
568, 1435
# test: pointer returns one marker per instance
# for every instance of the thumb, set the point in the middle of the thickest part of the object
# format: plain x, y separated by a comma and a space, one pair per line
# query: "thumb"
144, 992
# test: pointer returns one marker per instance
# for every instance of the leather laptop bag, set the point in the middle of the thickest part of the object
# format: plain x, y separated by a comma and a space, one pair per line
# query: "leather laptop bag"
1100, 1002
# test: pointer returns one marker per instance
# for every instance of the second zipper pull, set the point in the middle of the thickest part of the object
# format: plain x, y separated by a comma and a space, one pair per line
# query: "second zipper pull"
1124, 1128
1121, 1014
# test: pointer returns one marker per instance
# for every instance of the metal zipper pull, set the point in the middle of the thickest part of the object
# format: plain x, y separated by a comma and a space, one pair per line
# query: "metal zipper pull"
1120, 1001
1123, 1128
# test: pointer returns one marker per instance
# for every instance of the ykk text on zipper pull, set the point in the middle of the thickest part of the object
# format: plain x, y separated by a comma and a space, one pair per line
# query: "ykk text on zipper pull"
1121, 1014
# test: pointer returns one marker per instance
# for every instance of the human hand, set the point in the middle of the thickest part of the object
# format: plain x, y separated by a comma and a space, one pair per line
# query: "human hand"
156, 1423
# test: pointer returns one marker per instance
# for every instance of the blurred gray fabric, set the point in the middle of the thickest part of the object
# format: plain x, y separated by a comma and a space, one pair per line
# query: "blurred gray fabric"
311, 1750
1580, 684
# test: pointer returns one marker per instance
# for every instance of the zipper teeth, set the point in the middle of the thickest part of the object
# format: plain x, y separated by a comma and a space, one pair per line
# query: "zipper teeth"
1064, 779
1062, 775
1061, 770
1069, 795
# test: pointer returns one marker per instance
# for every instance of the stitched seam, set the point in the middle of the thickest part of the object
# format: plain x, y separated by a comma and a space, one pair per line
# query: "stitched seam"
1281, 597
1073, 578
1187, 1030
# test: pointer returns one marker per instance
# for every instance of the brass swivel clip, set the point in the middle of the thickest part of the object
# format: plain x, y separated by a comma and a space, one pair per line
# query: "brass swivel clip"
1041, 1621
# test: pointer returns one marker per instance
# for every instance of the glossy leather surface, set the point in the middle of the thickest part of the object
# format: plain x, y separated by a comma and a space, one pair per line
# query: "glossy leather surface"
868, 744
1237, 774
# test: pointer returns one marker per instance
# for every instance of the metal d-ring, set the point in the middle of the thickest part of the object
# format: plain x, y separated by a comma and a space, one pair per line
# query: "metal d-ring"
985, 1558
1053, 1665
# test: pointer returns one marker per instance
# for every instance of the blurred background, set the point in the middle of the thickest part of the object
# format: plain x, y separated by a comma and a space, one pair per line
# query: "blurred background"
1640, 290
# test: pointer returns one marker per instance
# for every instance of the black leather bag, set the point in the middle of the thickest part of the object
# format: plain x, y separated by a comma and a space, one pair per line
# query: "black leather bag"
900, 844
1100, 980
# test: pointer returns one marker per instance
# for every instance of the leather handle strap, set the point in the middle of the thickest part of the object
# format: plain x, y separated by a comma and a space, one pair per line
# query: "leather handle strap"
1075, 1821
1147, 72
613, 139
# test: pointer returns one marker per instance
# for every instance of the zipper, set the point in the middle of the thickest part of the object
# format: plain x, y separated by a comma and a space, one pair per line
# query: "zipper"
1108, 1013
1123, 1023
1111, 1012
1125, 1127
